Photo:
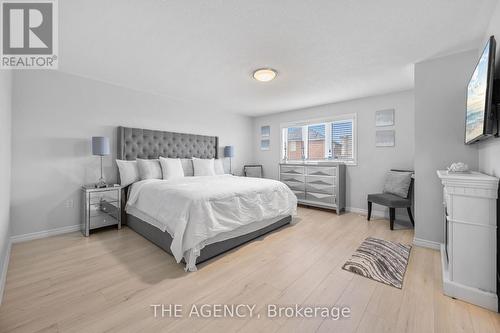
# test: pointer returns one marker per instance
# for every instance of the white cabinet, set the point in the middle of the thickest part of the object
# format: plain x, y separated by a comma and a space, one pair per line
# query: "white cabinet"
322, 185
470, 225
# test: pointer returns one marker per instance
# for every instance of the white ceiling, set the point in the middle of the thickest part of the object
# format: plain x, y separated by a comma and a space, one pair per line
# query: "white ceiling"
205, 51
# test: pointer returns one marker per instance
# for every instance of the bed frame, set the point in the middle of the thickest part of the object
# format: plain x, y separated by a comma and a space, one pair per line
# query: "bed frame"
149, 144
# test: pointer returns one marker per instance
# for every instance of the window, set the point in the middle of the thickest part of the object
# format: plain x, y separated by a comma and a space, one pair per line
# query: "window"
333, 139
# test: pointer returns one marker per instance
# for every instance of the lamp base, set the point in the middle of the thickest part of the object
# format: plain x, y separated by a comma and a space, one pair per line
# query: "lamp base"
101, 183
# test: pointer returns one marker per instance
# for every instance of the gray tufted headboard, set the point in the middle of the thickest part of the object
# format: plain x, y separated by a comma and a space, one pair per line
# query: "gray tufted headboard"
142, 143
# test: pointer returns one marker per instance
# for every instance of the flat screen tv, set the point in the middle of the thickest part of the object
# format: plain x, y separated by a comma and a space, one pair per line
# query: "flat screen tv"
480, 117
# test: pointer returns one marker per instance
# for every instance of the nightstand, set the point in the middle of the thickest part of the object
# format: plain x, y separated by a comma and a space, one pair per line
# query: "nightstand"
101, 207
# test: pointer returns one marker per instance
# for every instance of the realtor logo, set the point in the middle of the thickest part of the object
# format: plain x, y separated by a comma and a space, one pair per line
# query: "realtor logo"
29, 34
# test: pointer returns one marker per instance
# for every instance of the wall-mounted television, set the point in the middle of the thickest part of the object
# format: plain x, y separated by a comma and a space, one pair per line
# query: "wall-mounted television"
480, 119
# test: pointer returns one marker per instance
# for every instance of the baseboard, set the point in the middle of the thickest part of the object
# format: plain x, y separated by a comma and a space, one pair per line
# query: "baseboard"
376, 213
44, 233
5, 267
426, 243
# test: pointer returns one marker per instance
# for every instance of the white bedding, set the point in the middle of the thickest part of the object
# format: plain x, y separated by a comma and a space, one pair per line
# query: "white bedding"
194, 210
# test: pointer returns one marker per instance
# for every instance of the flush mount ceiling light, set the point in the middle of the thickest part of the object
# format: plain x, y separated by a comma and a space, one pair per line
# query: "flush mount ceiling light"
265, 74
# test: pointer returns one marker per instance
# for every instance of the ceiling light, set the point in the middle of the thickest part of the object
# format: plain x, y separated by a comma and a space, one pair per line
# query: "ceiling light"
265, 74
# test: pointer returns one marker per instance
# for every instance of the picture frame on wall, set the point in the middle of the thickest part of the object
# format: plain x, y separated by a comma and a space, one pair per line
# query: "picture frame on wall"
385, 138
265, 137
384, 118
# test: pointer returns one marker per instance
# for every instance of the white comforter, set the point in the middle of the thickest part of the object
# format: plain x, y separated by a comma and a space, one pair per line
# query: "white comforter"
195, 209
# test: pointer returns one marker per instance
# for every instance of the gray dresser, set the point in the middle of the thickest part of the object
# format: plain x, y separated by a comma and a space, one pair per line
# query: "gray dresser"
321, 185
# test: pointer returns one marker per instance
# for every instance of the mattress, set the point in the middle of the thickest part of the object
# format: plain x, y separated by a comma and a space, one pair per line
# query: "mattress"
199, 211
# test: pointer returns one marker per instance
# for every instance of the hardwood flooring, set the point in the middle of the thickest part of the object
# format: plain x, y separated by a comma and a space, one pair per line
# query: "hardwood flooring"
108, 282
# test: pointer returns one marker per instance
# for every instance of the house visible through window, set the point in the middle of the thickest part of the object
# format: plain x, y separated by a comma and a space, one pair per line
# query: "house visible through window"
327, 140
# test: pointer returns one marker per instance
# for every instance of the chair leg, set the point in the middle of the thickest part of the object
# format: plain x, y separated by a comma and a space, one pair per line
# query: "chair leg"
369, 210
392, 217
408, 209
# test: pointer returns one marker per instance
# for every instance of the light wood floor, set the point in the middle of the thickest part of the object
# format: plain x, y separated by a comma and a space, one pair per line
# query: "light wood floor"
106, 283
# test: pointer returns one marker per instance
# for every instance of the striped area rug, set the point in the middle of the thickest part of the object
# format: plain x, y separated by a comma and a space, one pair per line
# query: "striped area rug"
380, 260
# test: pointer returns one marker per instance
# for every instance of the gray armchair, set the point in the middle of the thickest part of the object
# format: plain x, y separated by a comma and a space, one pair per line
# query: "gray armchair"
398, 191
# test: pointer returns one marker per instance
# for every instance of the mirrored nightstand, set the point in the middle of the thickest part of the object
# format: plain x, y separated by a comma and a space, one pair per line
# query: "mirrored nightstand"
101, 207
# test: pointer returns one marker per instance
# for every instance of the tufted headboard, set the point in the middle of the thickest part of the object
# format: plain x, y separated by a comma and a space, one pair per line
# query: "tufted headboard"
142, 143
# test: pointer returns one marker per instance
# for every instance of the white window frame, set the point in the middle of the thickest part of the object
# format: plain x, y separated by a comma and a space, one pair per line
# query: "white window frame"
317, 121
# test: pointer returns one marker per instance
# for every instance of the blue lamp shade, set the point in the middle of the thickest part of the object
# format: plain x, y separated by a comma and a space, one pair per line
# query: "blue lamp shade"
229, 151
100, 146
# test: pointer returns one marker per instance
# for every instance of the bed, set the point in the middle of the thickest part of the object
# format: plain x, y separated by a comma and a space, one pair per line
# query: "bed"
152, 207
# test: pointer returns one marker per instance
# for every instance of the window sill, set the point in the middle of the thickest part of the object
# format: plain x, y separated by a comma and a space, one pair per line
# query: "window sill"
326, 162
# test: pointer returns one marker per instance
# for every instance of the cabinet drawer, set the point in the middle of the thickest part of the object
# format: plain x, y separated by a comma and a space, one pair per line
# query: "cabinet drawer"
109, 196
320, 180
292, 169
301, 195
320, 188
287, 178
102, 220
321, 171
104, 208
321, 198
295, 185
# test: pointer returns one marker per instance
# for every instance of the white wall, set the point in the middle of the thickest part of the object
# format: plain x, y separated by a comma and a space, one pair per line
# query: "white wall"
373, 163
440, 95
489, 150
56, 114
5, 170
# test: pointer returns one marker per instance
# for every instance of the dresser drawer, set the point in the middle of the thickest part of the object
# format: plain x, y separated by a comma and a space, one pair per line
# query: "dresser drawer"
301, 195
102, 220
287, 178
321, 171
320, 180
320, 188
295, 182
104, 208
109, 196
297, 186
320, 198
292, 169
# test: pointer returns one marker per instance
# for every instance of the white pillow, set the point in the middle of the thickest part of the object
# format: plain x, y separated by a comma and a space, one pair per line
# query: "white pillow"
203, 167
149, 169
219, 167
171, 168
187, 166
129, 172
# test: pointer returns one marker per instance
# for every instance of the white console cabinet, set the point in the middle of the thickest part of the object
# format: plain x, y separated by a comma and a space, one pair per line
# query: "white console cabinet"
468, 254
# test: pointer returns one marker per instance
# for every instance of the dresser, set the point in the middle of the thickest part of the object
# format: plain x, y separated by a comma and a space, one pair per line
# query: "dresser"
468, 254
321, 185
101, 207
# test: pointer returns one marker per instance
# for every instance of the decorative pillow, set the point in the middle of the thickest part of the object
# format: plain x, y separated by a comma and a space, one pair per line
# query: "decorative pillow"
218, 167
187, 166
129, 172
171, 168
203, 167
149, 169
398, 183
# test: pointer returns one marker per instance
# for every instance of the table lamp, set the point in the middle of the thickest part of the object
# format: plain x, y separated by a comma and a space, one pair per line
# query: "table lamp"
100, 147
229, 152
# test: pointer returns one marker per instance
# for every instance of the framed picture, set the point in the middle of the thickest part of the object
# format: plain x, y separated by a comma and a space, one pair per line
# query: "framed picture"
385, 138
265, 137
384, 118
